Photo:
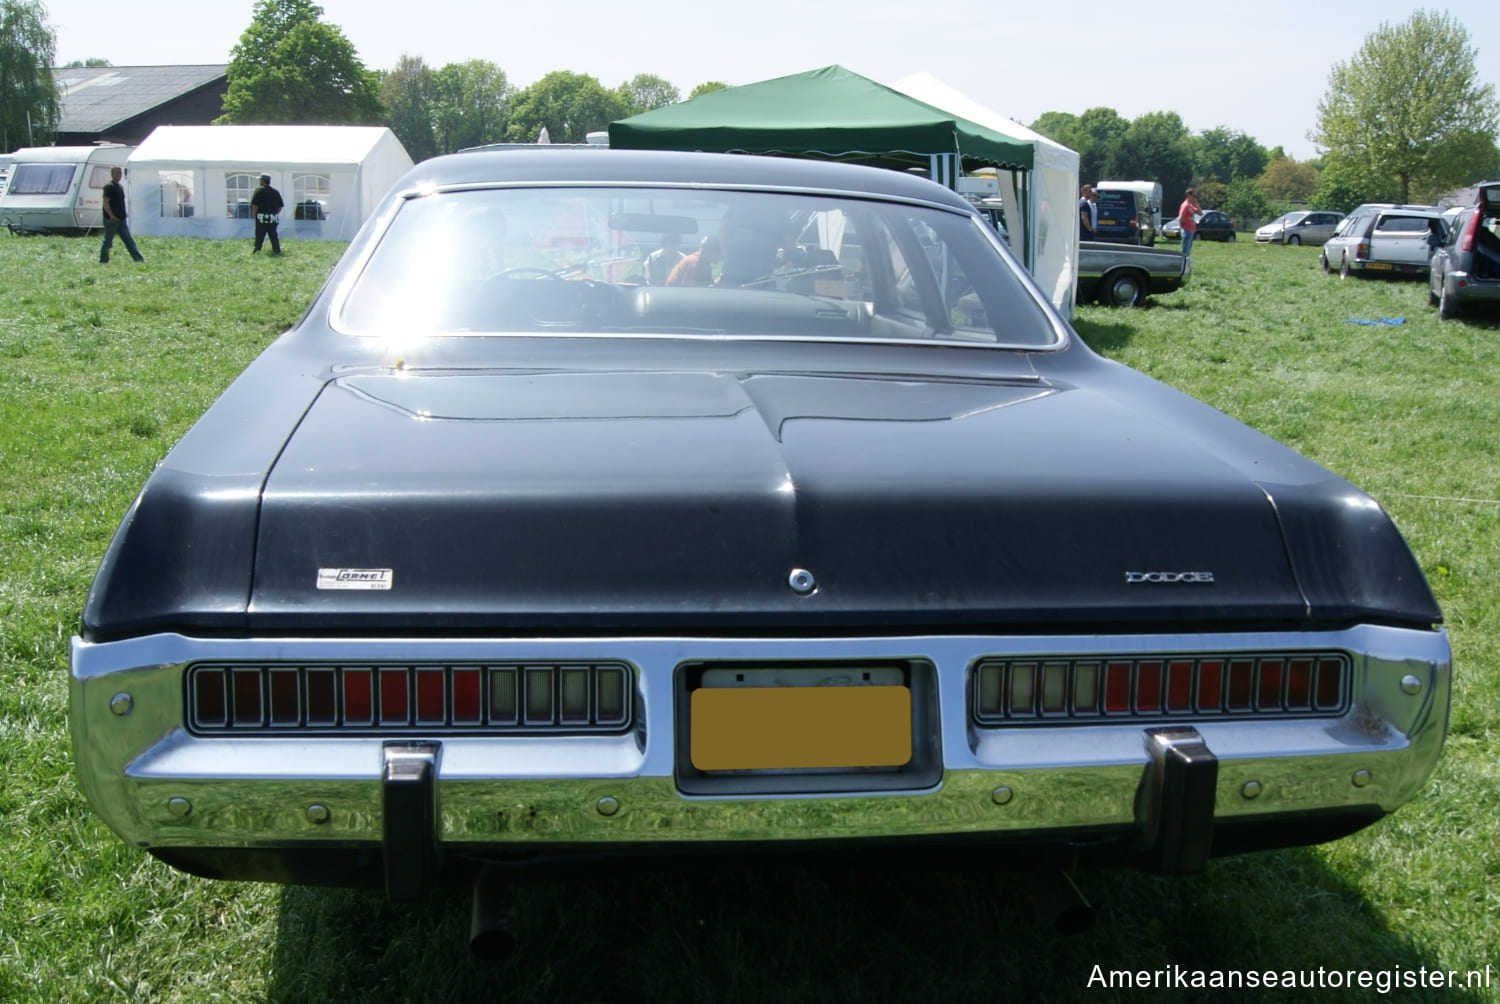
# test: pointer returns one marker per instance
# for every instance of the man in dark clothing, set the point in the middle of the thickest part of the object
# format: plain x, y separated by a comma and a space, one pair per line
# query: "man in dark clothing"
114, 219
266, 205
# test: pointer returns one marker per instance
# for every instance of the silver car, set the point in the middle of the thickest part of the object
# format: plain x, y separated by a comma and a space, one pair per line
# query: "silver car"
1380, 238
1465, 268
1301, 227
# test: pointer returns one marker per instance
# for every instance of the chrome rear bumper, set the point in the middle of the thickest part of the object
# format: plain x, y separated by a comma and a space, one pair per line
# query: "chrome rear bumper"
158, 785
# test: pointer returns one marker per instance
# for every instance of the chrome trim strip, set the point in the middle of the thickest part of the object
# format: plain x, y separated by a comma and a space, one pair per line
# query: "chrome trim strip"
157, 785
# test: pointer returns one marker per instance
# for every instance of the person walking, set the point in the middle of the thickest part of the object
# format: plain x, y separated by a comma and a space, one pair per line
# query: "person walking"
114, 220
266, 205
1187, 218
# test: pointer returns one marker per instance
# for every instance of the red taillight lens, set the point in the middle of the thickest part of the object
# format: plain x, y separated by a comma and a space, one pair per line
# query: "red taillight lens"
1471, 228
1012, 691
289, 699
1362, 250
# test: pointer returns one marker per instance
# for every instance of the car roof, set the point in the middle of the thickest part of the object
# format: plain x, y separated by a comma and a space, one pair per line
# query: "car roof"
718, 170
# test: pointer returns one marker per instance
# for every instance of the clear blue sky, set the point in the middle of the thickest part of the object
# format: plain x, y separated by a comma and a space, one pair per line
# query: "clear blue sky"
1258, 68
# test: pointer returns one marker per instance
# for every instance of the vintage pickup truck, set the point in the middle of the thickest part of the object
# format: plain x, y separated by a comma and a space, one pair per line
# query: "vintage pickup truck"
1116, 275
1121, 275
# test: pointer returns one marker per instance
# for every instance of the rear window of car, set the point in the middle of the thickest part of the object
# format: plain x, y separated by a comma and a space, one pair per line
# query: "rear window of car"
689, 263
1403, 225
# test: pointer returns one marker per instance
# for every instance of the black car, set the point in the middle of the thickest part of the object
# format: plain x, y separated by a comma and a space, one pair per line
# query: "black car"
1215, 226
837, 537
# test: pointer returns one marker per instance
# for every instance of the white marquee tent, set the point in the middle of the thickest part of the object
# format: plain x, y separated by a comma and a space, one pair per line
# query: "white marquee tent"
196, 181
1051, 195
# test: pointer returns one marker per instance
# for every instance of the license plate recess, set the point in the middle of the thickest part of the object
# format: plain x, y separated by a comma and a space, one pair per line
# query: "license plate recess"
806, 727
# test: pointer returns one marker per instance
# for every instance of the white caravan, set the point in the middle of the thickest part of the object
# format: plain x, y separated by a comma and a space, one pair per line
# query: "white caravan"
1147, 203
59, 188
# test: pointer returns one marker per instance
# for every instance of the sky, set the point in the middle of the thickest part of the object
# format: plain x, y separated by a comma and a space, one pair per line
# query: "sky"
1257, 68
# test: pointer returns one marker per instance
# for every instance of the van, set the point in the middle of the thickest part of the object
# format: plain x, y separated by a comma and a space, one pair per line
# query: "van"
1119, 217
59, 189
1147, 203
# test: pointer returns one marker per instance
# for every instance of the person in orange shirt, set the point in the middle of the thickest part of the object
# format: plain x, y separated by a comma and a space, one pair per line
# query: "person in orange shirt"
1187, 216
696, 269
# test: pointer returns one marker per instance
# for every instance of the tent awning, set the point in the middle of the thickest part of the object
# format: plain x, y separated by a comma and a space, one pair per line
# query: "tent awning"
829, 112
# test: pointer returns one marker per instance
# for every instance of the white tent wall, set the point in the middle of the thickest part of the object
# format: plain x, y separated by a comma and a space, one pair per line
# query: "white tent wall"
196, 181
1051, 190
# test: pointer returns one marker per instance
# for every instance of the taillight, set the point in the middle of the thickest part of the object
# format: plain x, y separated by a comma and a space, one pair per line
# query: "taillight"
1466, 242
1155, 688
283, 700
1362, 250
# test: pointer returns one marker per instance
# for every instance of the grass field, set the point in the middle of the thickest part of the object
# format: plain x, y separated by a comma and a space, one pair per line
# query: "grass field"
103, 367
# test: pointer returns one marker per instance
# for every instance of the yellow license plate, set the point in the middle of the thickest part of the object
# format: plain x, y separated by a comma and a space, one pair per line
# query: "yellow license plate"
784, 728
1378, 266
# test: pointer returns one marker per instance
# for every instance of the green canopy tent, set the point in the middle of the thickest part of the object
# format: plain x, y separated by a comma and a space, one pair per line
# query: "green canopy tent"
837, 114
832, 113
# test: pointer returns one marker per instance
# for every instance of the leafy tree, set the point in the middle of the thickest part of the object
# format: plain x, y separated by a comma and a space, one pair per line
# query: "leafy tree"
1228, 155
1344, 184
470, 102
1244, 200
568, 105
1408, 113
28, 94
1156, 146
290, 67
406, 92
645, 92
1211, 194
90, 62
706, 87
1285, 180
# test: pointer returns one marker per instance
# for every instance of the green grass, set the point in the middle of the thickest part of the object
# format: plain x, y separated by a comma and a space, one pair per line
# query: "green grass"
103, 367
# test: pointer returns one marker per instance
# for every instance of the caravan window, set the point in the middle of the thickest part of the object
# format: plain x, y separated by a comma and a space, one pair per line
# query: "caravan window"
42, 179
310, 194
99, 175
238, 187
176, 193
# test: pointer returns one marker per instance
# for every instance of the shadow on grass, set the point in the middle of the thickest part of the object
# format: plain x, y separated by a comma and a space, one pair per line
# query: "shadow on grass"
759, 931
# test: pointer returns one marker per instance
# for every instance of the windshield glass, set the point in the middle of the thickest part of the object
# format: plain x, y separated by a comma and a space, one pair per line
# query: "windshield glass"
688, 262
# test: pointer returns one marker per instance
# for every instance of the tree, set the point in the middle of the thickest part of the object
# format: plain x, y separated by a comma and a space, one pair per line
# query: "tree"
1408, 113
1244, 200
568, 105
290, 67
1228, 155
1157, 146
407, 94
29, 105
1285, 180
645, 92
707, 87
470, 102
92, 61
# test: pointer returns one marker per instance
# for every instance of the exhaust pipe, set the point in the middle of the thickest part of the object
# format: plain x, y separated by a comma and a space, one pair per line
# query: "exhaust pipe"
492, 921
1059, 900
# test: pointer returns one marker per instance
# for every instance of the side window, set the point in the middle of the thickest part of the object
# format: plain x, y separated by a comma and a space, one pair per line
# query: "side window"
310, 196
176, 193
98, 176
238, 187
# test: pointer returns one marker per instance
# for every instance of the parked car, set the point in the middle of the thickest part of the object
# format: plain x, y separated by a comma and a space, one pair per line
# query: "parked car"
1171, 230
503, 558
1300, 227
1465, 269
1384, 239
1214, 226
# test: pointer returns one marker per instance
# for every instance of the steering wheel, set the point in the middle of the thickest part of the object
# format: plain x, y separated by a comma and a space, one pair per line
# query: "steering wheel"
545, 273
